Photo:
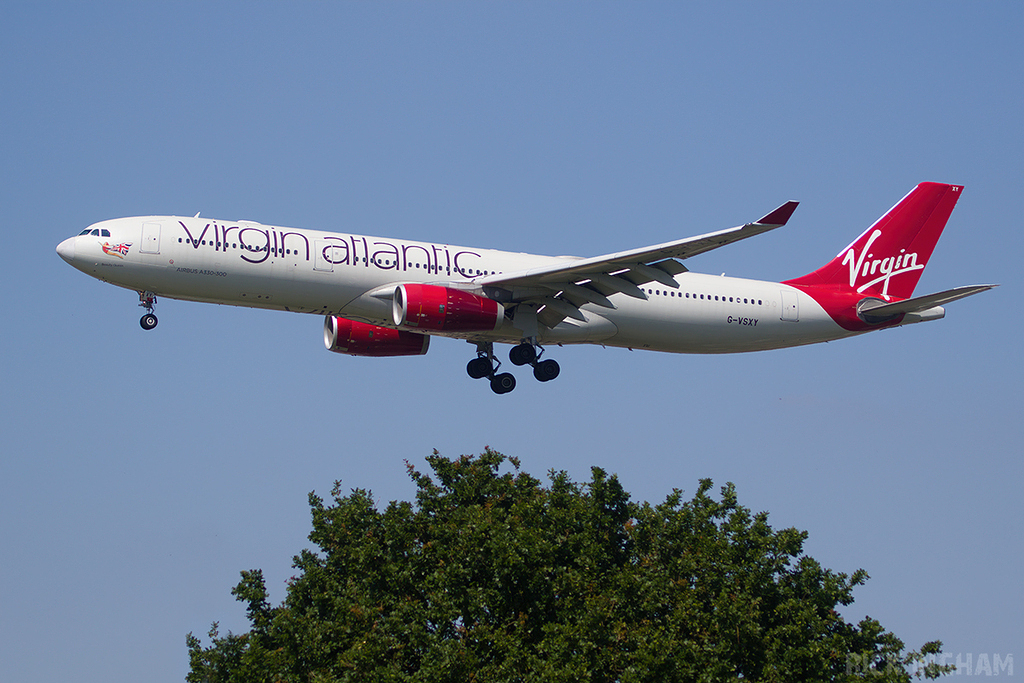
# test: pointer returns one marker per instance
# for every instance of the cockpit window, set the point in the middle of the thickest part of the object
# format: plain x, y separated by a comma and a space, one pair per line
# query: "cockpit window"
95, 232
105, 233
84, 232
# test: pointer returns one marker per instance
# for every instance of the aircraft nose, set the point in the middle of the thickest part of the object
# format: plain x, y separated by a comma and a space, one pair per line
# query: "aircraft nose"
66, 249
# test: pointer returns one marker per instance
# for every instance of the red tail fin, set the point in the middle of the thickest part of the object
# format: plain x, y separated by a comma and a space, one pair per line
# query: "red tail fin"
887, 260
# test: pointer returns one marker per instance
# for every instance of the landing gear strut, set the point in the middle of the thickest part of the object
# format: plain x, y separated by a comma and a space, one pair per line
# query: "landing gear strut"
486, 365
148, 300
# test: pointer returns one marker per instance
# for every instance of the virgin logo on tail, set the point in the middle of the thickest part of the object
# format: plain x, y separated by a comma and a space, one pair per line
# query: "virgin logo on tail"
865, 266
904, 239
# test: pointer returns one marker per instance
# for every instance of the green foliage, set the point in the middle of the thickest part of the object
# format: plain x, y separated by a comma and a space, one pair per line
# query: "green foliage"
491, 576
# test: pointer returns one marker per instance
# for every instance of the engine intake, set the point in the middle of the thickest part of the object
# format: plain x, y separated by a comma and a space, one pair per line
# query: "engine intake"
431, 307
342, 335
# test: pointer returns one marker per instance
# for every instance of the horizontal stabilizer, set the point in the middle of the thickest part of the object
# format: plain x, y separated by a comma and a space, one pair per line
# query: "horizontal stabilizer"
876, 311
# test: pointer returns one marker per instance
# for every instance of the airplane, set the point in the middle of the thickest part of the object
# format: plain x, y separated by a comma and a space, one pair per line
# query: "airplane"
388, 297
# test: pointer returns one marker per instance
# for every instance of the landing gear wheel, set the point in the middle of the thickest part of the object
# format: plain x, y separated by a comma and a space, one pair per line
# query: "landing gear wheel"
478, 368
147, 300
523, 354
503, 383
546, 370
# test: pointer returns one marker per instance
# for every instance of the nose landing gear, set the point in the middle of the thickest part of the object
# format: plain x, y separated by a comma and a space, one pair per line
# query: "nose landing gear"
148, 300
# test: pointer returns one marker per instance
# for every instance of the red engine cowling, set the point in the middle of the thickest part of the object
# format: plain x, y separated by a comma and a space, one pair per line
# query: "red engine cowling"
431, 307
342, 335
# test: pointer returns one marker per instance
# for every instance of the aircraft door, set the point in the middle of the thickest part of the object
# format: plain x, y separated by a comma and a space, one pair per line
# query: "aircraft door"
790, 305
322, 250
150, 238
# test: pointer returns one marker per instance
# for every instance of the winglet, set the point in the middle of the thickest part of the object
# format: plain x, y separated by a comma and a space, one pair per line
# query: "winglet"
779, 216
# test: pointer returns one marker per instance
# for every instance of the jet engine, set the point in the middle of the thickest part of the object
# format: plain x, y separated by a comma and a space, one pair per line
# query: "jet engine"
342, 335
431, 307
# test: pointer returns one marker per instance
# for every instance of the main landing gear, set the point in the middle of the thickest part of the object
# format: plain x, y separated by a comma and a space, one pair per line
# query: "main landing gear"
148, 300
526, 354
486, 365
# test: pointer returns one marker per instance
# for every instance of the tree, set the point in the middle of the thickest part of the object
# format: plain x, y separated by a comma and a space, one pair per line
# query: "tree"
491, 576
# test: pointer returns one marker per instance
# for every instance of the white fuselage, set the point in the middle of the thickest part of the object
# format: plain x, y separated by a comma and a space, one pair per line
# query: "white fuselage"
243, 263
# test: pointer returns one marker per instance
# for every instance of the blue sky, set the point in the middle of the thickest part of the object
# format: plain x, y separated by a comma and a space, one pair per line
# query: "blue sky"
143, 471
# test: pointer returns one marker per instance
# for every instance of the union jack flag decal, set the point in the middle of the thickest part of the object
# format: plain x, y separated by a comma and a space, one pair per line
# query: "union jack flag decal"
118, 250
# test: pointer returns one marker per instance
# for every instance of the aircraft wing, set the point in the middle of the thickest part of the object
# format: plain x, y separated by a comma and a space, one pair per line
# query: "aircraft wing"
560, 289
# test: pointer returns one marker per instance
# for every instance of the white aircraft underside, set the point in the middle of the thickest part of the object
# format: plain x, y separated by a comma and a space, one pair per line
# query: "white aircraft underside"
641, 299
